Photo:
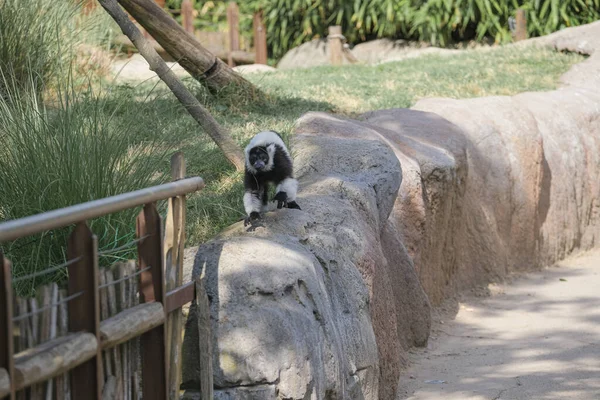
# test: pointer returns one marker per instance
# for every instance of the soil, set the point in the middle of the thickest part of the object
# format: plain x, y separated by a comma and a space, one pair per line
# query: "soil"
535, 337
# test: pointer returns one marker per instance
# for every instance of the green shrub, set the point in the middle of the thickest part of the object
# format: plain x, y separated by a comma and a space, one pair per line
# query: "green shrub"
441, 22
38, 38
75, 150
34, 36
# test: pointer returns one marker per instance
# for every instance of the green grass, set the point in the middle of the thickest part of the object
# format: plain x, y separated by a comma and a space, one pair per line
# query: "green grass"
476, 73
89, 144
40, 38
345, 90
74, 150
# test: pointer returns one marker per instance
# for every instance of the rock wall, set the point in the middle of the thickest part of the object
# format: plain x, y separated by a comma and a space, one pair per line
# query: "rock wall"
400, 208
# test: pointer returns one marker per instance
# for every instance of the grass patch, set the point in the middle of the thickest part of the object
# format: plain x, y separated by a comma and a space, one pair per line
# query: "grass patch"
74, 150
87, 144
39, 39
346, 90
475, 73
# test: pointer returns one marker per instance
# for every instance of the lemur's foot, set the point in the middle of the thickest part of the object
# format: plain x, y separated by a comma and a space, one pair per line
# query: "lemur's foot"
281, 198
294, 205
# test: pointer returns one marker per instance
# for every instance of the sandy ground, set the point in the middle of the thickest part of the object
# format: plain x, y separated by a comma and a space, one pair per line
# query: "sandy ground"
136, 69
537, 337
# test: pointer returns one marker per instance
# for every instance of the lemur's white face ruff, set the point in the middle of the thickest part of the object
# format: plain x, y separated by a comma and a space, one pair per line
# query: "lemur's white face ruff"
271, 152
261, 159
267, 139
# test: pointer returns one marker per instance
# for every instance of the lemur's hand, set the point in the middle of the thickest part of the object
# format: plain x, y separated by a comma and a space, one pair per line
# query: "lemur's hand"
281, 199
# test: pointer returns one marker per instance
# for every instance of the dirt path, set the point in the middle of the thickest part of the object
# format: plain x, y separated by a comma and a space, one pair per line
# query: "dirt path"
536, 338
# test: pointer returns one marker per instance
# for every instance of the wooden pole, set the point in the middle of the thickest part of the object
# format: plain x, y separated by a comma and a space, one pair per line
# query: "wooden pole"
521, 25
84, 310
131, 323
173, 250
205, 340
260, 38
152, 289
18, 228
233, 21
53, 358
182, 46
218, 134
187, 15
336, 46
7, 361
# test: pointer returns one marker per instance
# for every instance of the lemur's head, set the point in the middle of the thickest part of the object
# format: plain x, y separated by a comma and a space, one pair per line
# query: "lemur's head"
260, 158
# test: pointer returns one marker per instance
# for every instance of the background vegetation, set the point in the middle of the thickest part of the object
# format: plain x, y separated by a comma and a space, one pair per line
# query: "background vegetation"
63, 141
70, 134
440, 22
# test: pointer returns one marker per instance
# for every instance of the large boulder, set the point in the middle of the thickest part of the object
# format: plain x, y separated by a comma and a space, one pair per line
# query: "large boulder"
386, 50
316, 53
400, 208
306, 306
310, 54
253, 69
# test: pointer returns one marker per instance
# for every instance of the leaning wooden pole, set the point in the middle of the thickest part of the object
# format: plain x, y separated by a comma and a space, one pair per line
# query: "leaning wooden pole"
228, 146
184, 47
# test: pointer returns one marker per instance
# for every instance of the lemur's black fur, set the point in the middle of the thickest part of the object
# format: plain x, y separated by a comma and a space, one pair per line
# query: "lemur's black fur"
268, 162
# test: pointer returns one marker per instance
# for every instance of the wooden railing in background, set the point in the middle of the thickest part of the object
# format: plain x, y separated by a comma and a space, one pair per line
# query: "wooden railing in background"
260, 37
80, 343
233, 54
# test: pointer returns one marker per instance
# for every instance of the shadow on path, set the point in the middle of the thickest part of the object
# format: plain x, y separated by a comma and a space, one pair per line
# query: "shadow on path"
537, 338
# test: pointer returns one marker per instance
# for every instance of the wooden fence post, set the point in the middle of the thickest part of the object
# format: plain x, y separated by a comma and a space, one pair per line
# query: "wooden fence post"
152, 288
521, 25
174, 244
233, 21
84, 310
187, 16
336, 46
260, 38
7, 361
204, 340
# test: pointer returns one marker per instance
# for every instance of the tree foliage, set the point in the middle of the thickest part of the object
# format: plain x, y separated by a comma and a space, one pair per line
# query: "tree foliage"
440, 22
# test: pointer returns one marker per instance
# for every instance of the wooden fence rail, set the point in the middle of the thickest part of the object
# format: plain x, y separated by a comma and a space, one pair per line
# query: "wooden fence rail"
224, 45
112, 327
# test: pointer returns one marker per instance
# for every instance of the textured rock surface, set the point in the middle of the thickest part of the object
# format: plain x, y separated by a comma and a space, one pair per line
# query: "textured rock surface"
531, 195
323, 303
316, 53
386, 50
310, 54
253, 69
293, 301
135, 69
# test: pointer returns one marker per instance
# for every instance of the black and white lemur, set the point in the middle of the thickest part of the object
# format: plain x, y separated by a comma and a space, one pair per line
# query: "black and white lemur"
268, 161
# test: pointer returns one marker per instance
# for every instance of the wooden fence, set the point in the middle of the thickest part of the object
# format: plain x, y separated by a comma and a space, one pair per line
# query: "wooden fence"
112, 333
216, 41
224, 45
